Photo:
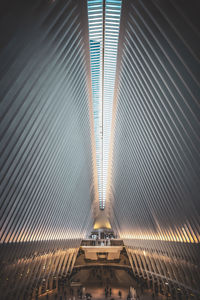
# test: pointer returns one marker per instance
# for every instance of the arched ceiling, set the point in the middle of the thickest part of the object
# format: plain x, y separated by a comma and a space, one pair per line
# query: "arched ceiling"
48, 164
47, 177
48, 167
154, 187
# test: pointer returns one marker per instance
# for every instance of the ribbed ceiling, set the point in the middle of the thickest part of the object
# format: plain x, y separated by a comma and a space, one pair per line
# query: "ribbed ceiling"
154, 191
46, 154
49, 183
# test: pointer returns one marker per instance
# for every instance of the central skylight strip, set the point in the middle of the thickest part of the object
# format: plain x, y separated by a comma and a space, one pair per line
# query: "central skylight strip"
113, 10
104, 22
95, 20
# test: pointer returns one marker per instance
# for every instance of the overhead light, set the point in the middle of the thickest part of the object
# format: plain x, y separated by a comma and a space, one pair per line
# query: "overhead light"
104, 23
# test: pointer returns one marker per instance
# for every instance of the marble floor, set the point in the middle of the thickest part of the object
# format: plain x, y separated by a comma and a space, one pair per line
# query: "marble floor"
97, 293
94, 282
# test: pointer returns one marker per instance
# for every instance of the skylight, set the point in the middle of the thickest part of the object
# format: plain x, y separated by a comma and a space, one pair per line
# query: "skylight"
104, 23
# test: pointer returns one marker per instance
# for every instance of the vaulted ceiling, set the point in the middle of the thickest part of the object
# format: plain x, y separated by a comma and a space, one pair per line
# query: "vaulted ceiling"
49, 178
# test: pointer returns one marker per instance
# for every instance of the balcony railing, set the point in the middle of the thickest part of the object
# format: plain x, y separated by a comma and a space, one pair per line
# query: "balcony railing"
102, 242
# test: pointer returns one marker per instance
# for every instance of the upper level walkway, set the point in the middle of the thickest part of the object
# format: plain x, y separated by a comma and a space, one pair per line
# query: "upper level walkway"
102, 242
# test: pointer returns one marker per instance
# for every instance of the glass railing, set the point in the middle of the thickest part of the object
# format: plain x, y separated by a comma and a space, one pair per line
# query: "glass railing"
102, 242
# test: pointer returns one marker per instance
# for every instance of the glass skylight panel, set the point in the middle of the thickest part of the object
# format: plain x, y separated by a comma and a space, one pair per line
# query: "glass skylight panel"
103, 56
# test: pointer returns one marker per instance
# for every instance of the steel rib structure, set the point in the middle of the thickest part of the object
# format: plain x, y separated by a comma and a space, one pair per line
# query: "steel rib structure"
46, 148
156, 147
49, 177
154, 185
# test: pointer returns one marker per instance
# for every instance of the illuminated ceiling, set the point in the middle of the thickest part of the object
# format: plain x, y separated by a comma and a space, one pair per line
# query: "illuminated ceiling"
104, 24
120, 99
58, 78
